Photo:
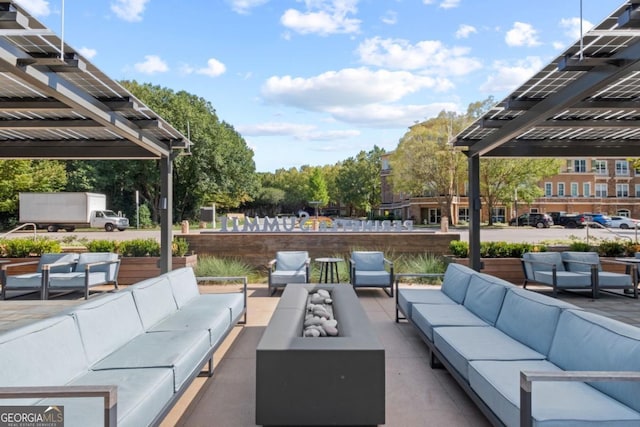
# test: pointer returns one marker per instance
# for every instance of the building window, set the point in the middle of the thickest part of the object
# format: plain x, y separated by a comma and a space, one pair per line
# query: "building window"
574, 189
548, 189
624, 212
601, 190
463, 214
600, 167
580, 166
586, 189
561, 189
498, 214
622, 168
637, 190
622, 190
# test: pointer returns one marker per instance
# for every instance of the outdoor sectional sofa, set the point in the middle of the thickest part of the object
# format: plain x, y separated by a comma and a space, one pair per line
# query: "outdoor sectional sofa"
139, 349
495, 339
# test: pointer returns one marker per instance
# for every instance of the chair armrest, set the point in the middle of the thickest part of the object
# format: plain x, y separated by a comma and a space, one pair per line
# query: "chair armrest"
528, 377
88, 267
271, 264
57, 264
109, 393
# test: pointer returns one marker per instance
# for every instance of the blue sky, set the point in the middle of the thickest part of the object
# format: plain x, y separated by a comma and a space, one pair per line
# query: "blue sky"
313, 82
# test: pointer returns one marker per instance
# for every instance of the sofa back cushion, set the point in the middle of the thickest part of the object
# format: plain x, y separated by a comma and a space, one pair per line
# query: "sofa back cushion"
184, 285
368, 260
107, 323
547, 258
92, 257
155, 301
291, 260
530, 318
583, 257
45, 353
67, 259
589, 342
485, 296
456, 281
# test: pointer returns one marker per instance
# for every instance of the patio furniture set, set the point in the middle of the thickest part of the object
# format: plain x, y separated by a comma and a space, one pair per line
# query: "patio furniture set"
526, 358
366, 269
133, 352
61, 272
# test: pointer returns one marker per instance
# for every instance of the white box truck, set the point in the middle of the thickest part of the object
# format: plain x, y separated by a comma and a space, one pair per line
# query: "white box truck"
67, 211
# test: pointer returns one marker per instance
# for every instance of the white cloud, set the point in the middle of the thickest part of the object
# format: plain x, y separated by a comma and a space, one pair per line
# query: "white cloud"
571, 27
88, 52
323, 17
129, 10
38, 8
427, 1
151, 65
465, 31
347, 87
244, 6
428, 56
450, 4
509, 76
522, 34
275, 129
390, 17
330, 135
389, 115
214, 68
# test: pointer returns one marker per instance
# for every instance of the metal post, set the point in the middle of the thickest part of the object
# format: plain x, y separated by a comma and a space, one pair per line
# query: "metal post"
474, 212
166, 213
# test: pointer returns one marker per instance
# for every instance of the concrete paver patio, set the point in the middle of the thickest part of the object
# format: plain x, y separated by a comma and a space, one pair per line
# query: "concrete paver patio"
416, 395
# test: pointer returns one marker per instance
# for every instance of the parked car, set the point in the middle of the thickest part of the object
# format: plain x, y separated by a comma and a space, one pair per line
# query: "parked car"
571, 221
623, 222
601, 219
539, 220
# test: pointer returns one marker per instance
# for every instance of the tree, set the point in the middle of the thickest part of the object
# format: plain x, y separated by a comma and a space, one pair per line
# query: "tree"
500, 179
426, 164
358, 181
318, 189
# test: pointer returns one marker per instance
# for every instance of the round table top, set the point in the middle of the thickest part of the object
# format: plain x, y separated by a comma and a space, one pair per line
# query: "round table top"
326, 259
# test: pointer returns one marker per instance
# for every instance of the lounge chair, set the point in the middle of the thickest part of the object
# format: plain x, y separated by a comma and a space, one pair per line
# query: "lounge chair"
92, 269
548, 268
20, 284
371, 269
288, 267
590, 263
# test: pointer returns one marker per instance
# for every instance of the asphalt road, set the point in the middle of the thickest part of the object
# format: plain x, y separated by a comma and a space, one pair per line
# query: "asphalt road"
507, 234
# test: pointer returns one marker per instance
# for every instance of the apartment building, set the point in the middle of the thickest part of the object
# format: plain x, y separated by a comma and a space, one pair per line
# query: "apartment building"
610, 186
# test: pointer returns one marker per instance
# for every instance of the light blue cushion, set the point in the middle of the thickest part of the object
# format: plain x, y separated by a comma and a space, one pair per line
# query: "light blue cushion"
182, 351
553, 403
216, 320
429, 316
541, 257
107, 323
68, 261
456, 280
372, 278
484, 297
110, 269
291, 260
607, 279
184, 285
76, 280
590, 342
368, 260
292, 276
154, 300
142, 393
45, 353
564, 279
25, 281
408, 297
234, 301
591, 258
462, 344
520, 308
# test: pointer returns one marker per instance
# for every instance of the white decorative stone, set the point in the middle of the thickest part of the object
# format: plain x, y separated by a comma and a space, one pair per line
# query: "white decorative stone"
323, 292
330, 330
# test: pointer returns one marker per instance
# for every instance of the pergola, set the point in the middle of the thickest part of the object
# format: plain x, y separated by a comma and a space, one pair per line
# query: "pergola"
584, 103
55, 104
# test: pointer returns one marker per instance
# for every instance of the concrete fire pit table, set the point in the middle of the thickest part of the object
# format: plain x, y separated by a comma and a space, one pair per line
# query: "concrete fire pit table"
319, 380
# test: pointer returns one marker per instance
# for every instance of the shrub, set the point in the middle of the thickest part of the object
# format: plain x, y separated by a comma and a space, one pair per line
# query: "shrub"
580, 247
460, 249
179, 247
612, 248
223, 267
422, 263
19, 248
102, 246
139, 248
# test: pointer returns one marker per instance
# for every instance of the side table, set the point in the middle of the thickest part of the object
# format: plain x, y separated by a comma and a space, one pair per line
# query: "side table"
329, 267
